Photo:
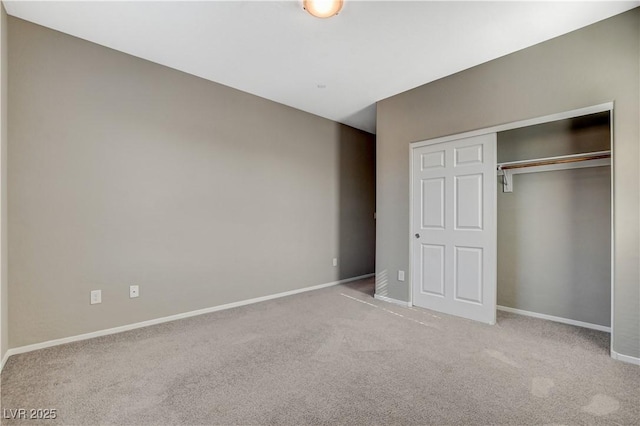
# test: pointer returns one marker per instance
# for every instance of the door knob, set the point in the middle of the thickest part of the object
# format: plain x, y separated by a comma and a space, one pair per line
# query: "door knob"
417, 235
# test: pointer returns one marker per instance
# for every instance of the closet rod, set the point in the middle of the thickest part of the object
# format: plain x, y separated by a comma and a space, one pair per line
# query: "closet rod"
574, 158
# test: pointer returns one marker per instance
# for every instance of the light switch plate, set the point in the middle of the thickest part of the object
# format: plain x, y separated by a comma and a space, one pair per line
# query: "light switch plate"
400, 275
134, 291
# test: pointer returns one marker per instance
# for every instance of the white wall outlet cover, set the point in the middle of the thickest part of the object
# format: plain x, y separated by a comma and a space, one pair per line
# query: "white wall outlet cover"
96, 296
134, 291
400, 275
335, 261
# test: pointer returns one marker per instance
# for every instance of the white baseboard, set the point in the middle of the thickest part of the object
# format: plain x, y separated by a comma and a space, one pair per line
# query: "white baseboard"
4, 360
390, 300
114, 330
556, 319
625, 358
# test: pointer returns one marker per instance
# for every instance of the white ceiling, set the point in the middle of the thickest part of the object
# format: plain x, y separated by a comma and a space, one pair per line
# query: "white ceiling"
337, 68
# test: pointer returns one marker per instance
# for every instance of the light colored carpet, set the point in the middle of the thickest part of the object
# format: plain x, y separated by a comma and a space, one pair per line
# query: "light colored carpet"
332, 356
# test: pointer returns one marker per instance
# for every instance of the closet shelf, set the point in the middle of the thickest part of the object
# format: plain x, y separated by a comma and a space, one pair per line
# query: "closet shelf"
563, 162
563, 159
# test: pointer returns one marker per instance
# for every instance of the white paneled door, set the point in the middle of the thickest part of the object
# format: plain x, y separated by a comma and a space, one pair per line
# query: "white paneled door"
454, 227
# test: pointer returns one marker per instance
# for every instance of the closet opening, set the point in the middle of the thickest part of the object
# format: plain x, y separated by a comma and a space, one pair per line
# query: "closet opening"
518, 217
554, 221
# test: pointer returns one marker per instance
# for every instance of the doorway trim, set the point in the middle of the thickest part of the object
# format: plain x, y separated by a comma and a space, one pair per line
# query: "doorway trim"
608, 106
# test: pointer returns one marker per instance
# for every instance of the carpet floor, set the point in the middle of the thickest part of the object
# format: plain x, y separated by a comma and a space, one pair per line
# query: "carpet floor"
331, 356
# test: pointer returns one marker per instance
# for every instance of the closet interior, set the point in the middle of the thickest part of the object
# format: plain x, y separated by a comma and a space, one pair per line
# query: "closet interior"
554, 220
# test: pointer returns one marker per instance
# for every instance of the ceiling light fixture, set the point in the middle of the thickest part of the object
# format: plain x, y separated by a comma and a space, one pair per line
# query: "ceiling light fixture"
322, 8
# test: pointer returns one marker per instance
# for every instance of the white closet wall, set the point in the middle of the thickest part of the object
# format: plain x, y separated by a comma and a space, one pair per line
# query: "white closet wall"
554, 229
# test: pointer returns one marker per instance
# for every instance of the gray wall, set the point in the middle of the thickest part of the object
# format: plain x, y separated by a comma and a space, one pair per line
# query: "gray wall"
593, 65
125, 172
554, 229
357, 203
4, 281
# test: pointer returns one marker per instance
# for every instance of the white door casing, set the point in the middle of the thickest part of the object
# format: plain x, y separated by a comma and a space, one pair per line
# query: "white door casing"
454, 241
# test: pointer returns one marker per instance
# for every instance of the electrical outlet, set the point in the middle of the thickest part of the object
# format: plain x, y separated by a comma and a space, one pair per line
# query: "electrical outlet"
400, 275
96, 296
134, 291
335, 261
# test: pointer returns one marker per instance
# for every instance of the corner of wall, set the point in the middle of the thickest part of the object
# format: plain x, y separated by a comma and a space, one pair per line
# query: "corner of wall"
4, 311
